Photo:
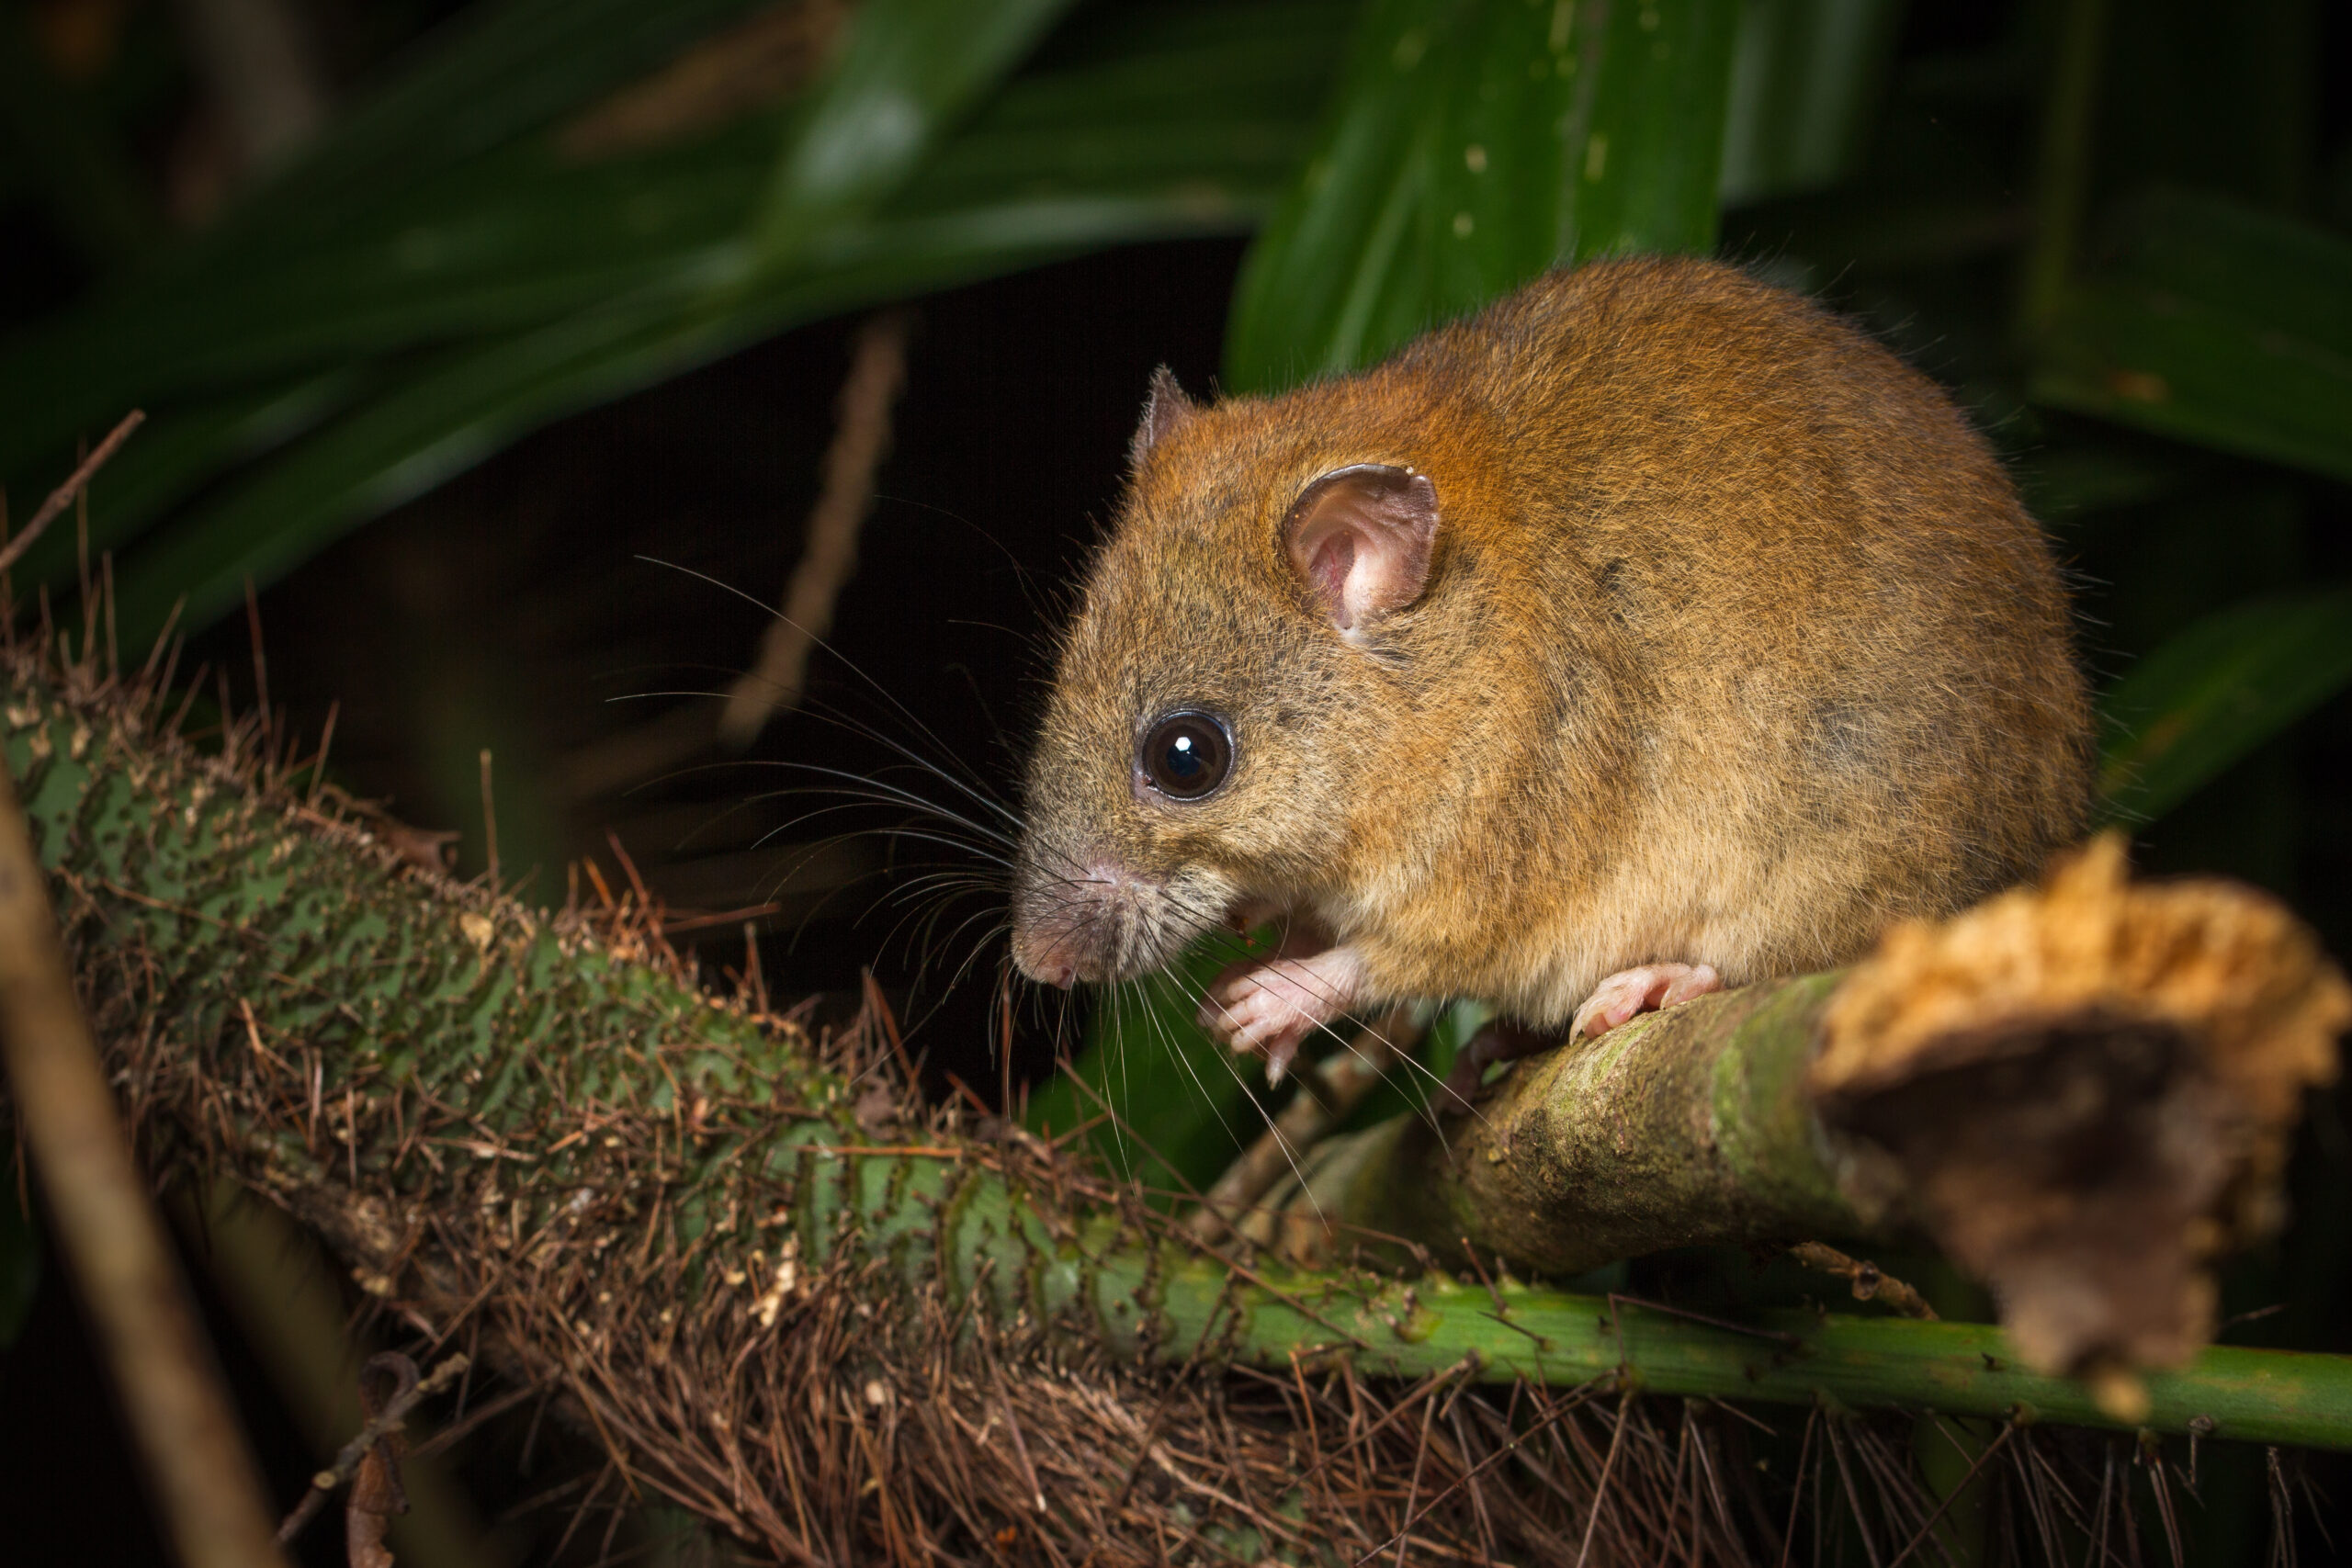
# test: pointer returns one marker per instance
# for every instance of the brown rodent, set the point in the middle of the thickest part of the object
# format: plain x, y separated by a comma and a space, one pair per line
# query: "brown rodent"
1653, 626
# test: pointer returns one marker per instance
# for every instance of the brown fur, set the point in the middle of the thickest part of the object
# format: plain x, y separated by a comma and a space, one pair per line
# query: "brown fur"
1736, 646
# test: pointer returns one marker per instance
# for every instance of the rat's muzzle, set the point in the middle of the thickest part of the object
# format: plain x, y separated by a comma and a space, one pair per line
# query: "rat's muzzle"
1095, 921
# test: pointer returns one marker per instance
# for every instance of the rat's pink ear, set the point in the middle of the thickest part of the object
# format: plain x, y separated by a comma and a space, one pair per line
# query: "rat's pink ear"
1164, 407
1358, 538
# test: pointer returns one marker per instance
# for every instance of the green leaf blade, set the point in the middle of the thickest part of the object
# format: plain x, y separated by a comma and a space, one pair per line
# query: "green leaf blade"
2216, 691
908, 69
1651, 157
1169, 1106
593, 281
2216, 326
1468, 148
1806, 76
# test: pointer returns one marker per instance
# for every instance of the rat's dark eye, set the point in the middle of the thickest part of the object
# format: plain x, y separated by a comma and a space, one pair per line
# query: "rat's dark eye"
1187, 755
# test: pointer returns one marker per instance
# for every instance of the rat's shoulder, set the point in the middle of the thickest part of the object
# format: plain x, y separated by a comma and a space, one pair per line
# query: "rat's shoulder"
1637, 306
1649, 343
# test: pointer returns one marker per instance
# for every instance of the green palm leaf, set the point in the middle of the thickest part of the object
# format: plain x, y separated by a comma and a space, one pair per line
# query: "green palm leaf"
1470, 147
2216, 691
2216, 326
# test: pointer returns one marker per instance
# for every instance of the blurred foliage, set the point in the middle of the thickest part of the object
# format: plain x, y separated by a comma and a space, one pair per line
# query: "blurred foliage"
1168, 1105
2182, 715
442, 274
2212, 323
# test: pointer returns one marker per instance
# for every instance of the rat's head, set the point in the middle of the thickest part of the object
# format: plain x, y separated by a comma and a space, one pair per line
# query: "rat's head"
1223, 703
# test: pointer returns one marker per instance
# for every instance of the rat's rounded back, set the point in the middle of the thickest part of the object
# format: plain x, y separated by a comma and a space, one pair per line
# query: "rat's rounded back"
1652, 613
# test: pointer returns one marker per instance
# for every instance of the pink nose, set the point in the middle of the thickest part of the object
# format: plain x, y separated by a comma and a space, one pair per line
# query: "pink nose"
1044, 956
1057, 971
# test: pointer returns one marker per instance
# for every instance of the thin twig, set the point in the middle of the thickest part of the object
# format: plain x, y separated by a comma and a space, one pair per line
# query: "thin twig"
1618, 1299
1330, 1094
1571, 1401
377, 1495
1601, 1487
205, 1481
879, 1009
1952, 1496
1796, 1487
326, 745
412, 1391
776, 680
746, 915
490, 820
1869, 1283
261, 669
63, 495
1420, 1456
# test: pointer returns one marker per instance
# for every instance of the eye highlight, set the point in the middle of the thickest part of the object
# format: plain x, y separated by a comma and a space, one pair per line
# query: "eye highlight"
1186, 755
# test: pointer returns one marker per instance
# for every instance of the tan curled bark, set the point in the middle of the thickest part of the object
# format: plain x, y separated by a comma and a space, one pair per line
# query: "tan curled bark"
2088, 1088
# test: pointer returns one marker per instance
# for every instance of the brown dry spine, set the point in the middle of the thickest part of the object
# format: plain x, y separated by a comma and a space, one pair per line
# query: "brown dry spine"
64, 495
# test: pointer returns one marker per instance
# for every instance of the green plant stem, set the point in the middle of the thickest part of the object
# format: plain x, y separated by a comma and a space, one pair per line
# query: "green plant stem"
1435, 1323
391, 1059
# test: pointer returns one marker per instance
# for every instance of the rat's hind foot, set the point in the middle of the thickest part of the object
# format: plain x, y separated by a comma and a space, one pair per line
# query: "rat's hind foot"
1645, 989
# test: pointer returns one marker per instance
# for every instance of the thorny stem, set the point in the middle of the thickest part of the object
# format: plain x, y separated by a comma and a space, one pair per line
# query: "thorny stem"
829, 555
528, 1044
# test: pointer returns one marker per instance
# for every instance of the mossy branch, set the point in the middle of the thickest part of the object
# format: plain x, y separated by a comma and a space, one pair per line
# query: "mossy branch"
2081, 1092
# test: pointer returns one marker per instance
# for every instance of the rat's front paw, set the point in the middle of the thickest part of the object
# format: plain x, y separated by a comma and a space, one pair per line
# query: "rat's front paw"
1645, 989
1272, 1006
